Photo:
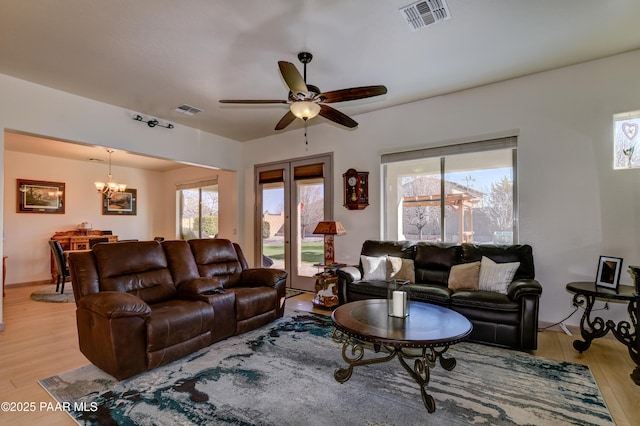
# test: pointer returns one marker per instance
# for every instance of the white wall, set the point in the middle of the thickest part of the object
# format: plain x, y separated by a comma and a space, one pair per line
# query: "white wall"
26, 234
573, 206
39, 110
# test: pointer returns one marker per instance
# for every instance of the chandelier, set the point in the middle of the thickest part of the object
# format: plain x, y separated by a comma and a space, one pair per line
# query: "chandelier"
110, 187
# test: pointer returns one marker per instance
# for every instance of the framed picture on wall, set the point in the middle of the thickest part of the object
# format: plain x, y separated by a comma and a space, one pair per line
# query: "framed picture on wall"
37, 196
121, 203
609, 272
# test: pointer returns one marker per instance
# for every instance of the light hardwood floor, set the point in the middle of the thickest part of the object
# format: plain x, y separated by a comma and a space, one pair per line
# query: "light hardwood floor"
40, 340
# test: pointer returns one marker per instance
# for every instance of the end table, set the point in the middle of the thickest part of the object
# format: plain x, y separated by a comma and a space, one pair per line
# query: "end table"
592, 328
326, 286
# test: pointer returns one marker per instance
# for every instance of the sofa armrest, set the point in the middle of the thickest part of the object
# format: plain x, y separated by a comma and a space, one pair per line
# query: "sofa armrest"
349, 274
198, 286
346, 276
520, 288
258, 277
112, 330
114, 304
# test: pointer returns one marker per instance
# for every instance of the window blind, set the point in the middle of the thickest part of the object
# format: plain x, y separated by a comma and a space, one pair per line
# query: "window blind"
271, 176
199, 184
443, 151
308, 171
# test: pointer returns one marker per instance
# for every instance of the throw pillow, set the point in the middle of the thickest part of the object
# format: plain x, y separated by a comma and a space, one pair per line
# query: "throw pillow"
374, 268
496, 277
464, 276
400, 269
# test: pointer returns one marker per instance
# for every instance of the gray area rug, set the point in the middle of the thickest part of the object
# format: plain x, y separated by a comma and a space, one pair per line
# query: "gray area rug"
49, 294
282, 374
292, 292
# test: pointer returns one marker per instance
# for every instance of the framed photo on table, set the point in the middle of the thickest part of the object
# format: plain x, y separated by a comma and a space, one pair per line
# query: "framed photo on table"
121, 203
37, 196
608, 275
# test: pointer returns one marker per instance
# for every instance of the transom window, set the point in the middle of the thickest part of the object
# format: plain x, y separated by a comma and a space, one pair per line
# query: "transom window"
464, 193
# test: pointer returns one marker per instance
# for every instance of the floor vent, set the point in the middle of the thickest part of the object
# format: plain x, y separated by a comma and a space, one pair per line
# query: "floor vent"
423, 13
188, 109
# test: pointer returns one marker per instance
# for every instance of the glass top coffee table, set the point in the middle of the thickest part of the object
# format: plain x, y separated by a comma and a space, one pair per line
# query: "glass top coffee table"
429, 328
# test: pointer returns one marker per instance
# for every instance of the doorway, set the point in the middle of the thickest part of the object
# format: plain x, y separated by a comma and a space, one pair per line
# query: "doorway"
291, 198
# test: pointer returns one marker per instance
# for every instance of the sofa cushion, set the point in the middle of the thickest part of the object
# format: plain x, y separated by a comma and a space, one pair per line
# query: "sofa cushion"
138, 267
374, 268
217, 258
404, 249
433, 262
431, 293
180, 260
496, 277
400, 269
464, 276
488, 306
178, 321
522, 253
254, 301
374, 288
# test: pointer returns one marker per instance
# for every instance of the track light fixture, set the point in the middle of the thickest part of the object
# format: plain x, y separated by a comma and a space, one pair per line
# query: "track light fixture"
153, 122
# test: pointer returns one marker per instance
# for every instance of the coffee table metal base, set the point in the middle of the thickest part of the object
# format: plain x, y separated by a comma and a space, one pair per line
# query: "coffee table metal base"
353, 352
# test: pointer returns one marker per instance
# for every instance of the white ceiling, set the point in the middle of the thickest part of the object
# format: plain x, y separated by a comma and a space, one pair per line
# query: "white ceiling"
149, 56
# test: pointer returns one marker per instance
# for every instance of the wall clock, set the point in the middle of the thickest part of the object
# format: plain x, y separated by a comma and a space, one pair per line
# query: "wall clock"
356, 189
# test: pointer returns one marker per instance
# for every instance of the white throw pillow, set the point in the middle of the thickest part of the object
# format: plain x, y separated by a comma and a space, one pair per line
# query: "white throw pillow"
374, 268
496, 277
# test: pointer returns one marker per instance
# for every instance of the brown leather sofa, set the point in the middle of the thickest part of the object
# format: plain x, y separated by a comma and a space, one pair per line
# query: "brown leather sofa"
144, 304
509, 320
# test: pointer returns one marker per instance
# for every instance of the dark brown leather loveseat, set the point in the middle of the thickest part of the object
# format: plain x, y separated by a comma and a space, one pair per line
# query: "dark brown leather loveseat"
509, 320
144, 304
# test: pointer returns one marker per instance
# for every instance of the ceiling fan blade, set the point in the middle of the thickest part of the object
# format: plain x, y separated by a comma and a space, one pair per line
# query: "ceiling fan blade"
252, 101
292, 77
336, 116
352, 93
285, 120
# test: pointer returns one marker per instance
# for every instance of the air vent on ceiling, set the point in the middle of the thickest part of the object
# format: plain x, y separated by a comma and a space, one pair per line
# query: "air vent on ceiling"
419, 15
188, 109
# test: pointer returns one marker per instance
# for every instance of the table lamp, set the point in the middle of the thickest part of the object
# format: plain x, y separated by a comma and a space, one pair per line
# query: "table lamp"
329, 229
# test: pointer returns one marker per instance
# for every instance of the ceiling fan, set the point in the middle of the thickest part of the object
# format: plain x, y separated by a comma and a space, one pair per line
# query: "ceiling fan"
307, 101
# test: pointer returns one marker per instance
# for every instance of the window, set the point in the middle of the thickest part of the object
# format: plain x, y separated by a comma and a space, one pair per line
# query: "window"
462, 193
198, 204
625, 139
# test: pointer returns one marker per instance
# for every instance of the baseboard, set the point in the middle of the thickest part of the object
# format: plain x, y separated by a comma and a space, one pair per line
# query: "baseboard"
573, 329
28, 284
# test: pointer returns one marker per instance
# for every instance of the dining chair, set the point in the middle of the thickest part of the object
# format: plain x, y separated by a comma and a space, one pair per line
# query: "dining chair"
61, 264
94, 241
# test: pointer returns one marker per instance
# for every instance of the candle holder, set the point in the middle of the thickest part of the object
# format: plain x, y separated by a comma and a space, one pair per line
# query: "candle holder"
398, 296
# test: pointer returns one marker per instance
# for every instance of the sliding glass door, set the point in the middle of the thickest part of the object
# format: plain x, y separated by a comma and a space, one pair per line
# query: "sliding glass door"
291, 198
198, 216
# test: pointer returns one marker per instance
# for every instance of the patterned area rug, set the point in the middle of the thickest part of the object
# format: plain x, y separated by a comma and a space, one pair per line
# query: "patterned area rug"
292, 292
282, 374
49, 294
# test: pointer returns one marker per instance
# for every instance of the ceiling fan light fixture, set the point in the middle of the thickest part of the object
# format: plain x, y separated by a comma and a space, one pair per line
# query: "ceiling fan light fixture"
305, 109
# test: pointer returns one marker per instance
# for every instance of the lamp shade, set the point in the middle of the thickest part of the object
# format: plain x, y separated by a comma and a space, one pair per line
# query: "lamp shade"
330, 228
305, 109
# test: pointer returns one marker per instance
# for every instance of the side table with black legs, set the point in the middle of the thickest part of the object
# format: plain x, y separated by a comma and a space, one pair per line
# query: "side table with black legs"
592, 328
